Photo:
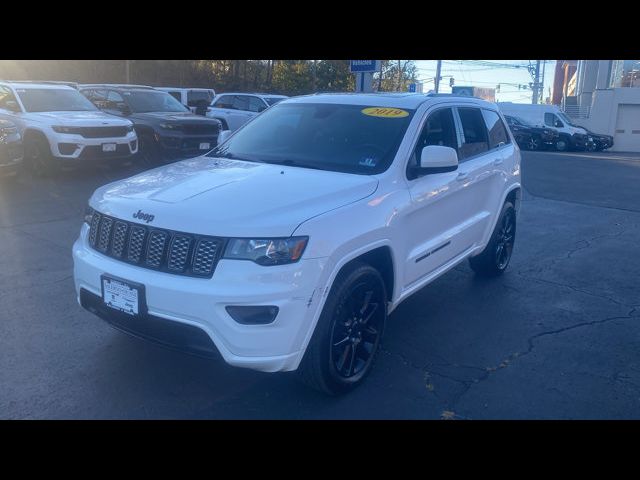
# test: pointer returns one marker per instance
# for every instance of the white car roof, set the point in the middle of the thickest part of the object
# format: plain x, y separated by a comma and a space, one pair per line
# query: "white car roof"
185, 88
265, 95
391, 100
48, 86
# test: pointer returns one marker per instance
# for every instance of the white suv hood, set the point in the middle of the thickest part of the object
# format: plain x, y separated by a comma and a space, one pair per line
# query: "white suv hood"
231, 198
78, 119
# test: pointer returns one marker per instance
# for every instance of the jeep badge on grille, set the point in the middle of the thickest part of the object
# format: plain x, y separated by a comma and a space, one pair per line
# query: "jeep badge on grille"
144, 216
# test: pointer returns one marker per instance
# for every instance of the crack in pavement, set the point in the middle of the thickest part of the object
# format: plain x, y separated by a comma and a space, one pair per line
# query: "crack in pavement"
450, 404
575, 289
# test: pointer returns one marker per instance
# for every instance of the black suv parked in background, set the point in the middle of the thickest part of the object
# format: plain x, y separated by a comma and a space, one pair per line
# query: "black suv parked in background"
530, 137
167, 130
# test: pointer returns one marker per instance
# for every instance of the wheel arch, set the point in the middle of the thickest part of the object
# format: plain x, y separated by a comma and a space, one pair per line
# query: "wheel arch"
377, 253
29, 134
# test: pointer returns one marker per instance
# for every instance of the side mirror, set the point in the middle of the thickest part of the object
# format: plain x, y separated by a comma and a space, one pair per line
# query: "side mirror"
558, 124
438, 159
223, 135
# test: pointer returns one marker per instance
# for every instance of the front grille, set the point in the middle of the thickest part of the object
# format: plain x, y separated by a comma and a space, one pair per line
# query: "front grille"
102, 132
200, 128
157, 249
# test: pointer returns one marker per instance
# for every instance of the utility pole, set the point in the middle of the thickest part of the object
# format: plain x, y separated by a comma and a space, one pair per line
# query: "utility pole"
315, 75
437, 79
544, 64
536, 84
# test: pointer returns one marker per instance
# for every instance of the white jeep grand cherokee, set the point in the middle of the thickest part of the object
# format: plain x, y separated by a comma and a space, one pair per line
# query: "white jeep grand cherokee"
59, 125
288, 245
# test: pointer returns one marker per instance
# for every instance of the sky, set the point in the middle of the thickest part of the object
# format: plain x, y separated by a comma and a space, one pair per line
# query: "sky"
466, 74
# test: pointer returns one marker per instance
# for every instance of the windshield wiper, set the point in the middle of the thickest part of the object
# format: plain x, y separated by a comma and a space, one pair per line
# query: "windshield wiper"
233, 156
295, 163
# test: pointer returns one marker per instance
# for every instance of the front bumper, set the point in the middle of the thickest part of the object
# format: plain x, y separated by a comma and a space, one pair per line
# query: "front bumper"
199, 304
77, 147
580, 142
177, 147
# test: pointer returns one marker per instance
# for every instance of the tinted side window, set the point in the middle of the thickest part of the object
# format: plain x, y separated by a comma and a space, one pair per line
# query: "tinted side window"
256, 104
439, 129
551, 120
198, 97
176, 95
497, 132
241, 102
225, 101
114, 101
474, 131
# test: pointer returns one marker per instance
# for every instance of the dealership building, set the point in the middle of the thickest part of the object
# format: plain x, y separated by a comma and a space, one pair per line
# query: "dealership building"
603, 96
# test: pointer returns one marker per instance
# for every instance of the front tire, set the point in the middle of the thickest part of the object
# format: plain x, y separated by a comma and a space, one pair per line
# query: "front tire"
38, 158
494, 259
562, 145
347, 336
149, 154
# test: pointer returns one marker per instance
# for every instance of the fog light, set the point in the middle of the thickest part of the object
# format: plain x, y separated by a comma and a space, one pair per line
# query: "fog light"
253, 314
67, 148
133, 144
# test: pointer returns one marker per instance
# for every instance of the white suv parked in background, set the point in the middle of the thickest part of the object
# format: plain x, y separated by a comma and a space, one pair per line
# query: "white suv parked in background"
288, 245
195, 99
236, 109
58, 124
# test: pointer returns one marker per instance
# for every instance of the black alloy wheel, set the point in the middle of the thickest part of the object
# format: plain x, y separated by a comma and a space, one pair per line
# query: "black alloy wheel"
356, 330
505, 239
347, 336
533, 143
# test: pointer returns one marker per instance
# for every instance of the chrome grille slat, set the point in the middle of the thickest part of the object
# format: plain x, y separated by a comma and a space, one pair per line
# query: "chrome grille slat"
155, 250
136, 242
204, 257
178, 252
169, 251
104, 234
119, 239
93, 232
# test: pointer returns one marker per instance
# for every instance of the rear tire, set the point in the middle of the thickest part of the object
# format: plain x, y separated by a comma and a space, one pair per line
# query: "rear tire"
345, 342
533, 144
494, 259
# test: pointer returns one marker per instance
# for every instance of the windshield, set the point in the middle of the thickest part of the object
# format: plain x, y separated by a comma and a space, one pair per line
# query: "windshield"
273, 100
54, 100
143, 101
342, 138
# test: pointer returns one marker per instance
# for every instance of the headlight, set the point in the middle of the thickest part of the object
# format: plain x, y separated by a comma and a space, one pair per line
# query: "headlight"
62, 129
266, 251
170, 126
130, 128
88, 215
8, 131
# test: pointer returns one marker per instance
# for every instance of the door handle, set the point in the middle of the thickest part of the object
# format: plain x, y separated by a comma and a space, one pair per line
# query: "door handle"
462, 176
498, 161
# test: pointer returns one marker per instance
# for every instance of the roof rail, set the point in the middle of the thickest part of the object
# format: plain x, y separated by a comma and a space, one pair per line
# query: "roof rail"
45, 82
115, 85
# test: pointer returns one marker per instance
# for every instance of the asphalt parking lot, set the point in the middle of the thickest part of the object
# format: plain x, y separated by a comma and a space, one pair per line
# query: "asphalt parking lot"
556, 337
